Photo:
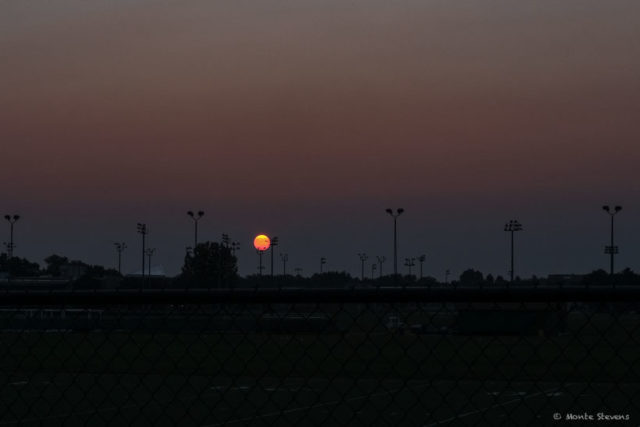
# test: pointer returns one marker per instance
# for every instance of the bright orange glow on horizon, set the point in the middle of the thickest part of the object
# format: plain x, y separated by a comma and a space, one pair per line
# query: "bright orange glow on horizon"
261, 242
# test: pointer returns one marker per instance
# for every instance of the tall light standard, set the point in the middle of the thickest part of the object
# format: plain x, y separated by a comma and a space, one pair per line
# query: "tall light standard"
150, 253
323, 261
409, 262
274, 242
261, 243
363, 258
284, 258
421, 258
12, 220
395, 216
611, 250
380, 259
511, 227
142, 229
373, 270
120, 247
195, 217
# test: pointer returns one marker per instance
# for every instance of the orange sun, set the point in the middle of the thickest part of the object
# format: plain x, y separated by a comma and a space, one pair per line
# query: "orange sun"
261, 242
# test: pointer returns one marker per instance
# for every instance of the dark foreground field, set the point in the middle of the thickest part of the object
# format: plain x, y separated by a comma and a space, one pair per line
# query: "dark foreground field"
360, 373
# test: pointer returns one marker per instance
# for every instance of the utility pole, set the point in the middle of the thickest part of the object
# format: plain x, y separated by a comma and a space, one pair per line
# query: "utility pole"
612, 250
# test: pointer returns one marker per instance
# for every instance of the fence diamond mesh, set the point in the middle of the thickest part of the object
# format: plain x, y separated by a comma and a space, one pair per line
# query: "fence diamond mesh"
386, 357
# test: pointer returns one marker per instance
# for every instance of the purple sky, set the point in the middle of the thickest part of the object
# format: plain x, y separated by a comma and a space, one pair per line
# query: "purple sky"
305, 119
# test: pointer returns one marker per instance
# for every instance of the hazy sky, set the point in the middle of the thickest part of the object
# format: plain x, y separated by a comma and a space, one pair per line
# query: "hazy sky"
306, 119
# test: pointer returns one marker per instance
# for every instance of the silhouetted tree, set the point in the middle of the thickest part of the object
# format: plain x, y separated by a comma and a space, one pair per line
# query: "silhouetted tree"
471, 277
54, 262
18, 267
209, 265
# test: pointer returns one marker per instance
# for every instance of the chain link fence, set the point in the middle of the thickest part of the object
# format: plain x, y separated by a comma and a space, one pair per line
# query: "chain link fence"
375, 357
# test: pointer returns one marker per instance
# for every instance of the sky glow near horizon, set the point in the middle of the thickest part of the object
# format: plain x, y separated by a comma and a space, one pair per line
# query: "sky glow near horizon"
306, 119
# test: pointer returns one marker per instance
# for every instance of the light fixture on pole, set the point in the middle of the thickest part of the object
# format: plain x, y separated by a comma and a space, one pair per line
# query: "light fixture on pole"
195, 217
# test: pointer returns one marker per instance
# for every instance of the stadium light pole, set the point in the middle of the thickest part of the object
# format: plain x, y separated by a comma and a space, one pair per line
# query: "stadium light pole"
120, 247
274, 243
421, 258
12, 220
284, 258
511, 227
380, 259
373, 270
142, 229
409, 262
260, 267
195, 217
395, 216
611, 250
150, 253
363, 258
323, 261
